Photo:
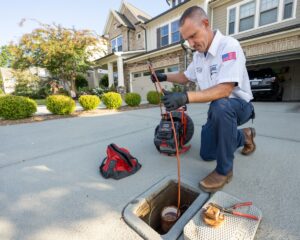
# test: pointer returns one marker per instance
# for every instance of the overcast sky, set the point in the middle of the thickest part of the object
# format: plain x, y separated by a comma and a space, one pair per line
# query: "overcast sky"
81, 14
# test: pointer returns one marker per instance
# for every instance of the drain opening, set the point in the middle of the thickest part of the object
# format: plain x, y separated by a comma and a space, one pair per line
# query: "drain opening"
150, 211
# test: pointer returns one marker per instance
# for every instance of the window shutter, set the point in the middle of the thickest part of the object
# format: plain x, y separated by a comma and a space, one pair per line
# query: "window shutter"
158, 37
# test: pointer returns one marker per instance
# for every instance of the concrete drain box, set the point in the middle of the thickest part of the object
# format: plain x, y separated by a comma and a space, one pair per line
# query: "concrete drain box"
143, 213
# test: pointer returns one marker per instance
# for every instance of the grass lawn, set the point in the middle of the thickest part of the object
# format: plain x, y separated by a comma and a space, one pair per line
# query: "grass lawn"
40, 101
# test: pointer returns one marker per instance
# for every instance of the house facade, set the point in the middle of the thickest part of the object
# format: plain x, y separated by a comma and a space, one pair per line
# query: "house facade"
136, 39
268, 31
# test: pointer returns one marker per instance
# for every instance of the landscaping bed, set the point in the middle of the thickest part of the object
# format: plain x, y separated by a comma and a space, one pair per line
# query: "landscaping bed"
96, 112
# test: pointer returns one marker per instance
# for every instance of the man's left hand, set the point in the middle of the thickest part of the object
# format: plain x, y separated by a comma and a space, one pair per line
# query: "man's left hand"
173, 101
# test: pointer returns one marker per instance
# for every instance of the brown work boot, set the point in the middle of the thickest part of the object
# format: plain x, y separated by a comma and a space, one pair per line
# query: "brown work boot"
249, 146
215, 181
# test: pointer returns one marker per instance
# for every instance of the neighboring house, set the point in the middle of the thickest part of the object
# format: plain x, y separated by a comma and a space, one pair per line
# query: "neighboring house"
269, 32
267, 29
9, 80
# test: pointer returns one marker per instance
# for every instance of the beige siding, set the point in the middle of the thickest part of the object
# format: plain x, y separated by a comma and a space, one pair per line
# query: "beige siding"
167, 18
220, 20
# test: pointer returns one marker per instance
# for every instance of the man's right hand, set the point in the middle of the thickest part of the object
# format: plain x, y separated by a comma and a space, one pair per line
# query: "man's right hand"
160, 76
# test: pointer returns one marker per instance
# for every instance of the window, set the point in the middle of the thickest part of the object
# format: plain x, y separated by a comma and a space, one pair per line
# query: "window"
175, 31
146, 74
247, 13
176, 2
160, 71
251, 14
164, 35
136, 75
231, 21
268, 11
173, 69
173, 3
288, 9
138, 36
116, 44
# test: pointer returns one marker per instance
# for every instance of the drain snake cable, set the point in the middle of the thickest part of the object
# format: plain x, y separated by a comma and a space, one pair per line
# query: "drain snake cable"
174, 133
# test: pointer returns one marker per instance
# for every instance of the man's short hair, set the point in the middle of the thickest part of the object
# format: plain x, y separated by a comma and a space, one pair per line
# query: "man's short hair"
197, 13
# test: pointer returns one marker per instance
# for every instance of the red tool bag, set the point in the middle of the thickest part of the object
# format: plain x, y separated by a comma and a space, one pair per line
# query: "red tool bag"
119, 163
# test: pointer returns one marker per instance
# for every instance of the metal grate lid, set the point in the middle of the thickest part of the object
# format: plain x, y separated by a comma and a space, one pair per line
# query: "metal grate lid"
233, 228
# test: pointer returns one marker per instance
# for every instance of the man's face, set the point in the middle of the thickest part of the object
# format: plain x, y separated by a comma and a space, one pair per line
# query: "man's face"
196, 34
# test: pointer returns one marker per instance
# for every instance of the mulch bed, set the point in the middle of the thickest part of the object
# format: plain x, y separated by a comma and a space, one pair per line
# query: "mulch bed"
95, 112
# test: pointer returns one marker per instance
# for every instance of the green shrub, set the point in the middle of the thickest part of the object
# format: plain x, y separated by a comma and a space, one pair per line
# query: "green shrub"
16, 107
177, 88
104, 81
1, 91
133, 99
112, 100
153, 97
112, 88
60, 104
89, 102
80, 81
99, 91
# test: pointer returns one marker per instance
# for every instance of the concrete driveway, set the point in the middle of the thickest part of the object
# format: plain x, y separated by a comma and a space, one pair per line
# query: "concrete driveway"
50, 187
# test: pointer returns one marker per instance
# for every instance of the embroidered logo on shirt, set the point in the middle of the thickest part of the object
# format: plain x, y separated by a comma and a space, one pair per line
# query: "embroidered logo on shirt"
199, 69
213, 69
228, 56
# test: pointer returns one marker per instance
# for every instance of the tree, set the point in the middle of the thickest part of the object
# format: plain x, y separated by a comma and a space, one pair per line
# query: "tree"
65, 53
27, 83
1, 83
5, 56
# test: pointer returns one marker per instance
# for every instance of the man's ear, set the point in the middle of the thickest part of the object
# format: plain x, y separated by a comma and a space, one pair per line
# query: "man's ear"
205, 22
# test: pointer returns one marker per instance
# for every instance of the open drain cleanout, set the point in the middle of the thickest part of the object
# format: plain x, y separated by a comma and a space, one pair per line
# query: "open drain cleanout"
143, 213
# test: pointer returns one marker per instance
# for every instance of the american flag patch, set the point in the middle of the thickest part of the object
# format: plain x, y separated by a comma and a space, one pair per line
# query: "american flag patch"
228, 56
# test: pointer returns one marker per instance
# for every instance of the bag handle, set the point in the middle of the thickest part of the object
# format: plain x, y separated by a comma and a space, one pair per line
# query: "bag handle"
123, 154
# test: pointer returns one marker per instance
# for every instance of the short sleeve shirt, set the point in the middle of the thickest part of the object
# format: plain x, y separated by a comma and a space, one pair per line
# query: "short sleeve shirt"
224, 62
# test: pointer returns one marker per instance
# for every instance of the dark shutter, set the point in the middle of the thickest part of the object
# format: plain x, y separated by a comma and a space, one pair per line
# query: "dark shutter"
158, 37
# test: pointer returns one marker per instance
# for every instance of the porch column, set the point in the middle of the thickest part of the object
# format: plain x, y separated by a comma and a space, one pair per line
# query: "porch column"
95, 79
120, 72
130, 82
110, 74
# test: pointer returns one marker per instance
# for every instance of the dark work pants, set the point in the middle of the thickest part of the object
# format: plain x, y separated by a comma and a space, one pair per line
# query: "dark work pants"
219, 136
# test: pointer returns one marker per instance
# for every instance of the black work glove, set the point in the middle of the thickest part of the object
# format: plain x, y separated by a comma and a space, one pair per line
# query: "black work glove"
160, 76
173, 101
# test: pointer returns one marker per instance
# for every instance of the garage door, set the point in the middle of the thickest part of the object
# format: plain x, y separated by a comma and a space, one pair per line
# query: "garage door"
142, 84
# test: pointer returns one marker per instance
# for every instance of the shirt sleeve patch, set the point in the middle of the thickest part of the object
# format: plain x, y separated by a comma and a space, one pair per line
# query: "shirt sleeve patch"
229, 56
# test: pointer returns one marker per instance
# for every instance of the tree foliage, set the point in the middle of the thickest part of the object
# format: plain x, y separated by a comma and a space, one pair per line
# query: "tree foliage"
65, 53
5, 56
27, 83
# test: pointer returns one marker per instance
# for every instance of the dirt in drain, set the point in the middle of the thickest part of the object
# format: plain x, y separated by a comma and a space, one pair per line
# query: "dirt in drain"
166, 197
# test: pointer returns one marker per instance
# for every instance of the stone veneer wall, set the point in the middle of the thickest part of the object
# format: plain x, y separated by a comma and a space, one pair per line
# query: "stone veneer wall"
169, 59
114, 31
273, 46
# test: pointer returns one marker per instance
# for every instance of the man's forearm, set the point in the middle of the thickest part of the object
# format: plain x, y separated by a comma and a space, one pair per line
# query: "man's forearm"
219, 91
177, 78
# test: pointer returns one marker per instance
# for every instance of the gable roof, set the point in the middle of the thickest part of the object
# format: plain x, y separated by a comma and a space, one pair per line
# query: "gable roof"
167, 11
122, 19
138, 14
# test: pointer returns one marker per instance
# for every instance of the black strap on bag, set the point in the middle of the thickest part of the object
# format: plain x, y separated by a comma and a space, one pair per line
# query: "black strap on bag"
119, 163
